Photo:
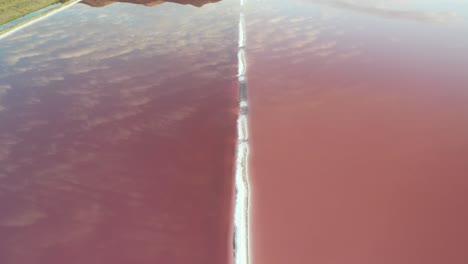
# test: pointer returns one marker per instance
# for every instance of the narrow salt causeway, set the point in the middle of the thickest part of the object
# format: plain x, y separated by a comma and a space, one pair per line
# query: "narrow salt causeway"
241, 214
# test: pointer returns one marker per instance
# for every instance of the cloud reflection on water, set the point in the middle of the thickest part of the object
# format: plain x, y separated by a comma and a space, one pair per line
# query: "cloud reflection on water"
105, 114
393, 10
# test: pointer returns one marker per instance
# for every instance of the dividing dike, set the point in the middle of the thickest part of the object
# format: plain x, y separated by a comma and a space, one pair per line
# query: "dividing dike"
241, 213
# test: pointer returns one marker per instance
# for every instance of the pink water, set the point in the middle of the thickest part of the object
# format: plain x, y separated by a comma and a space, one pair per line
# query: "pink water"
359, 124
117, 135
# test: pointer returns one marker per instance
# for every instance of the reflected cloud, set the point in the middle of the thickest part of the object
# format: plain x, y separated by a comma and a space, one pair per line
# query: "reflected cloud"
378, 8
94, 112
101, 3
22, 217
3, 90
7, 142
112, 93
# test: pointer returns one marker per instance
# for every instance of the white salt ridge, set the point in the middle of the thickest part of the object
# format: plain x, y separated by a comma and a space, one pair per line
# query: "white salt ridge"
242, 132
241, 31
241, 68
241, 212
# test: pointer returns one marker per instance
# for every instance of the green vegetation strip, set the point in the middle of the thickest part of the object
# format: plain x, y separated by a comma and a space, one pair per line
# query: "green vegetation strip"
14, 9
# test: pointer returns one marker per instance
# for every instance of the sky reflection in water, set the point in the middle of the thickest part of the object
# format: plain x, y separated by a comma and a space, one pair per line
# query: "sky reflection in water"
117, 136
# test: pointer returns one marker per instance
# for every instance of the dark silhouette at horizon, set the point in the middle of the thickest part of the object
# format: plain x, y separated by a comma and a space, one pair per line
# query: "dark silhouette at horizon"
102, 3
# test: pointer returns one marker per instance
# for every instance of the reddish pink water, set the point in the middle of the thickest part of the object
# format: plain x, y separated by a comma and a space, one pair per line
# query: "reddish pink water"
117, 137
359, 124
117, 129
